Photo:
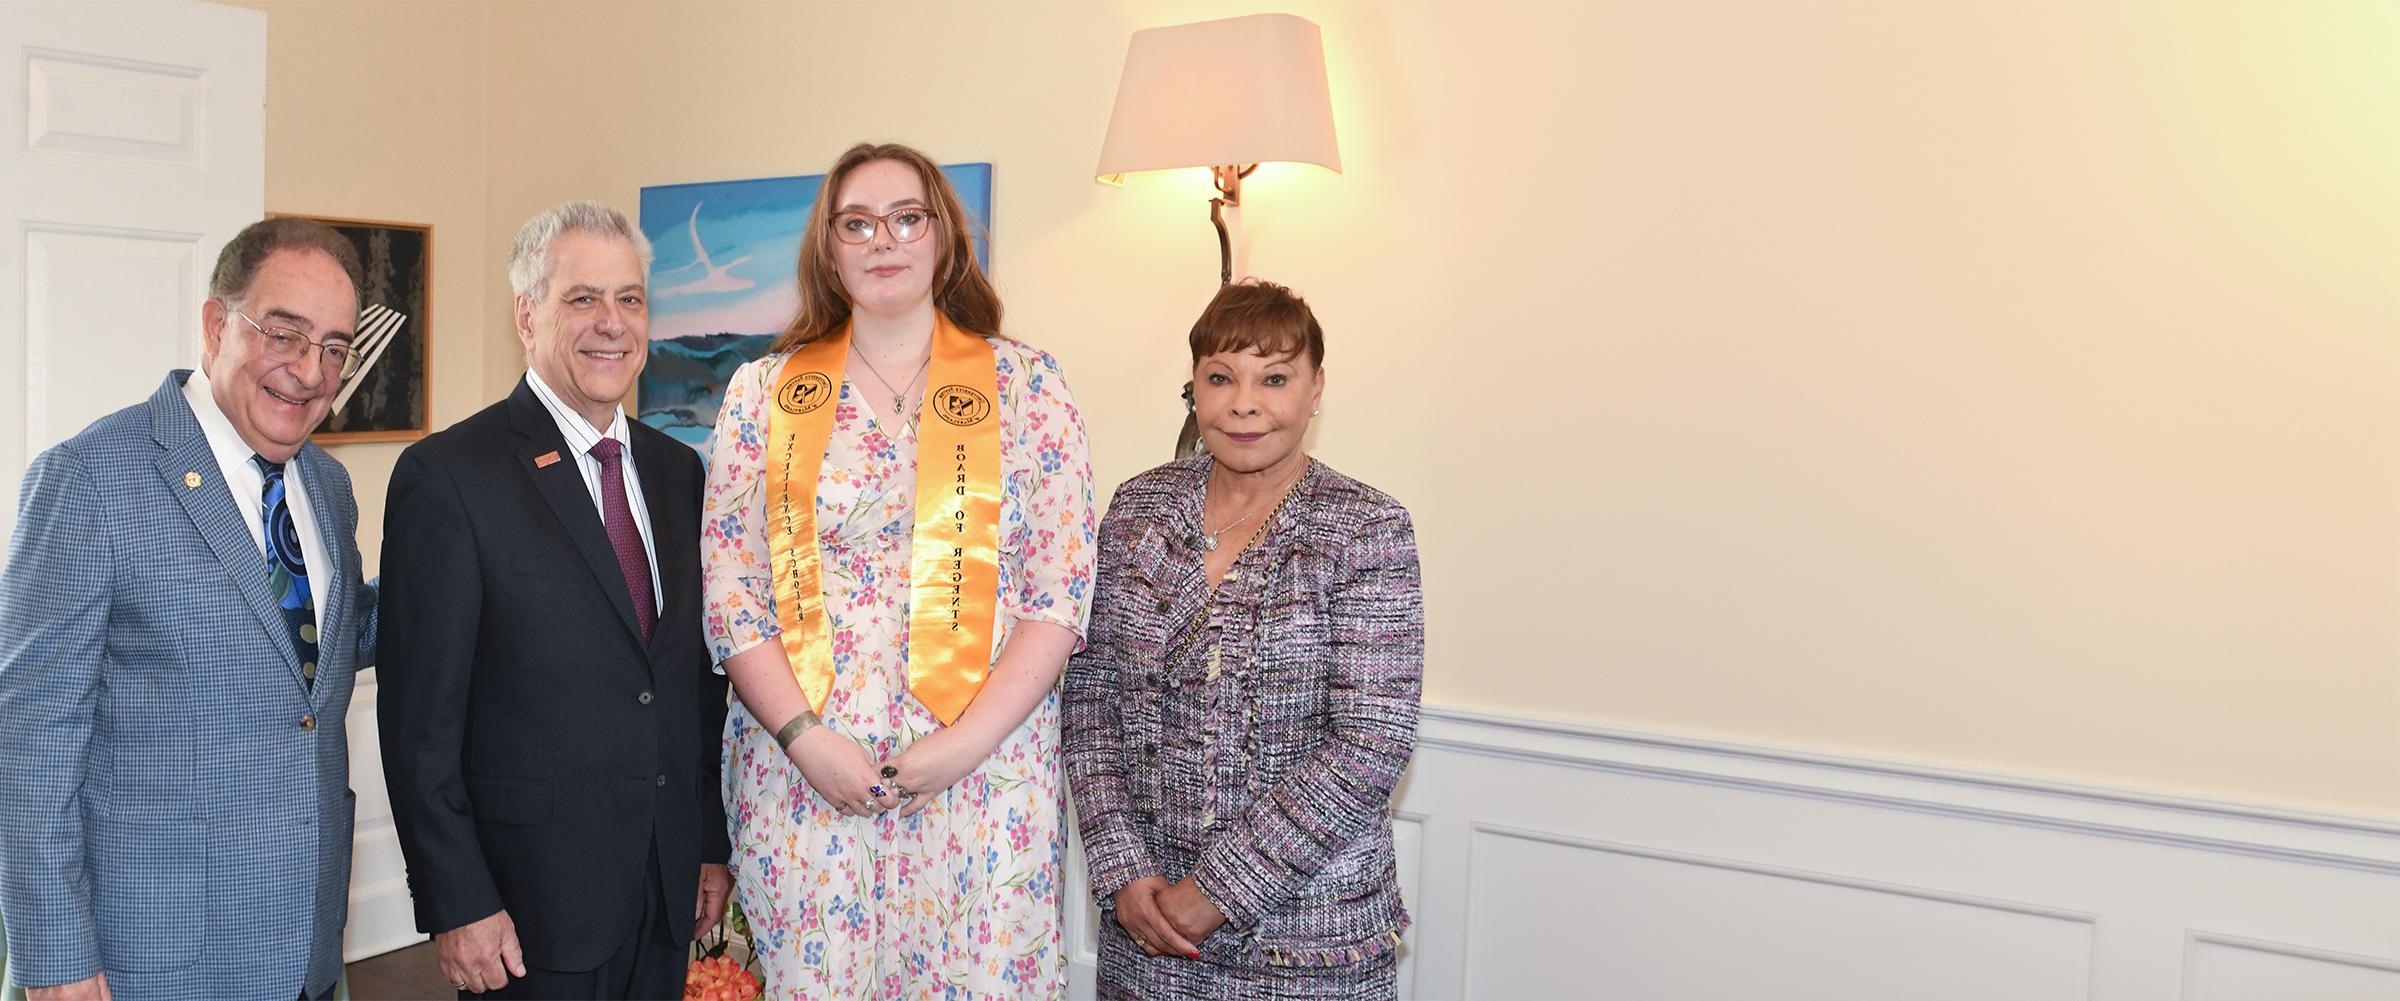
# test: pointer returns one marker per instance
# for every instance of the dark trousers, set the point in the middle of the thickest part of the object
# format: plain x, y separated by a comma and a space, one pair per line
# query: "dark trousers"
647, 966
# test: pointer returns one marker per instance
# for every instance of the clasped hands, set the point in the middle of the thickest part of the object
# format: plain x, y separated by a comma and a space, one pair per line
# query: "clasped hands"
840, 771
1165, 917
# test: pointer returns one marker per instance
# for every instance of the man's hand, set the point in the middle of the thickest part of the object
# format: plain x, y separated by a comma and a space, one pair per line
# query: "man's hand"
481, 955
1137, 911
715, 885
1189, 910
91, 988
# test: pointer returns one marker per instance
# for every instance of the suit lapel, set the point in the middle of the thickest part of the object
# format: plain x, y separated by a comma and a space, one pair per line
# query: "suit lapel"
560, 482
191, 472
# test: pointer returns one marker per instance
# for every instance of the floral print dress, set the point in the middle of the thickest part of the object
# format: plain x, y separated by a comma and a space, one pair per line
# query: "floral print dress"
960, 901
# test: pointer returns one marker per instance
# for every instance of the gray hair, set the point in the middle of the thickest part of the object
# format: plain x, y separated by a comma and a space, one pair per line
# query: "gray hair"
529, 261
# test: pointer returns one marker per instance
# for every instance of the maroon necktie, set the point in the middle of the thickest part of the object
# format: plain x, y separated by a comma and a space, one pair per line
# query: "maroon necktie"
623, 537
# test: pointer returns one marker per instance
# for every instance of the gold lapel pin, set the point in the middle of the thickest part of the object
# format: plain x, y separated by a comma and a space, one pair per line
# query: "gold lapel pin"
544, 460
191, 481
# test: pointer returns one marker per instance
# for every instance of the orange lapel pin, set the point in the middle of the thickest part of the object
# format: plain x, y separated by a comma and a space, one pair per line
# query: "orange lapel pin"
545, 459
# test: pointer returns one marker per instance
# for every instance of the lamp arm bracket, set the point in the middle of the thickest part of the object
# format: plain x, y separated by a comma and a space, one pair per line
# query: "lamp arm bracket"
1228, 178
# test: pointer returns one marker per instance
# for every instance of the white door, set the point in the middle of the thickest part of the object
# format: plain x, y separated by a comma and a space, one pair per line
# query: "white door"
132, 146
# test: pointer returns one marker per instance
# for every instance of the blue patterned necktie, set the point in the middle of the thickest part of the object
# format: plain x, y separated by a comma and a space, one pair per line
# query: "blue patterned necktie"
287, 570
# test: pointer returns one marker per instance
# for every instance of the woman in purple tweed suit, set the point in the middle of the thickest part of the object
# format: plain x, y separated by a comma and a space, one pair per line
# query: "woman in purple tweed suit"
1248, 695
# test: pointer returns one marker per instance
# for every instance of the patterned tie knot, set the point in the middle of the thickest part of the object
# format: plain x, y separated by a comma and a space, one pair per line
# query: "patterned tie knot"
272, 470
605, 450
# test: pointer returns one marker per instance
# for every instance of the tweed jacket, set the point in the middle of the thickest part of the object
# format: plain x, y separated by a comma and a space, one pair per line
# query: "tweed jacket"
174, 796
1251, 736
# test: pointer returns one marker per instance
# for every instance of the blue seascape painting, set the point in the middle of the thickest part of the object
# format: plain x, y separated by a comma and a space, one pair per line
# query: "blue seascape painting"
721, 285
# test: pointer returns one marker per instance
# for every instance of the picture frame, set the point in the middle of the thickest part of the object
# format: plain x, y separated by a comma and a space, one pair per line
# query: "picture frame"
721, 286
390, 400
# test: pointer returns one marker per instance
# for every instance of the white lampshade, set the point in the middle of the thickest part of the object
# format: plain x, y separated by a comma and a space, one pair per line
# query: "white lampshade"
1239, 91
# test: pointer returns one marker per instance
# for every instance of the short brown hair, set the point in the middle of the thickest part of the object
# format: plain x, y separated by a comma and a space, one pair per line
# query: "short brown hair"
960, 289
238, 263
1262, 317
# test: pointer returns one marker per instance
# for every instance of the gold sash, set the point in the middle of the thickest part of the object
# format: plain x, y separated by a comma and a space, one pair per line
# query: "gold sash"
954, 563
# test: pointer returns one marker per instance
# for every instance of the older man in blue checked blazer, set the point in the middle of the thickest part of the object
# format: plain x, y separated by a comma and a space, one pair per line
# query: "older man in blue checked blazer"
180, 617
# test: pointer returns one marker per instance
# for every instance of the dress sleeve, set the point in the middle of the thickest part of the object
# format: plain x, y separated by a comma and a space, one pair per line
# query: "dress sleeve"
1055, 582
738, 579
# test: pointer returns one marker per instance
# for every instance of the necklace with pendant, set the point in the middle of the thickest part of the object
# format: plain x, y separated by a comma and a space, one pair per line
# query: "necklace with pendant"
900, 395
1208, 539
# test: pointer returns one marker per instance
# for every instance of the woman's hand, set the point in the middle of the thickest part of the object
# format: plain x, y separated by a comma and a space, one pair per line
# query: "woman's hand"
931, 764
838, 769
1189, 910
1137, 910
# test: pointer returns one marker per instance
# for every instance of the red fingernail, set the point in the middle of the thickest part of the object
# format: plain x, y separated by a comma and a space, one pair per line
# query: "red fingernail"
1195, 955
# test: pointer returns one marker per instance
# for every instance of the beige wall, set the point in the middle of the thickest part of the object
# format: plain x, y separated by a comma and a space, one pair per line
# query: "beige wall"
1998, 385
377, 111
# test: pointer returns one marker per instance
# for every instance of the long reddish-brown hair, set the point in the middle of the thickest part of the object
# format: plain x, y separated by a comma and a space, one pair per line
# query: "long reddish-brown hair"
960, 289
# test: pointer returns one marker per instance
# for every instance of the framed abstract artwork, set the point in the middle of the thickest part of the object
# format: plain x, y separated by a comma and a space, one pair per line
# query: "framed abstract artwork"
388, 399
722, 285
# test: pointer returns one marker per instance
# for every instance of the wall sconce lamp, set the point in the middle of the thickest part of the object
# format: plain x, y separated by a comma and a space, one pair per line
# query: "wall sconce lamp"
1226, 95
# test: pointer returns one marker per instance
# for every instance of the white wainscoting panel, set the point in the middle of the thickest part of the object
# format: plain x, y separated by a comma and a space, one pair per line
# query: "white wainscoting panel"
2227, 968
1716, 928
382, 918
1554, 860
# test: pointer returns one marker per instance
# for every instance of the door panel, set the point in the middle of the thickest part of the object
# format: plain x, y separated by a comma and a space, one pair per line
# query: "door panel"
132, 146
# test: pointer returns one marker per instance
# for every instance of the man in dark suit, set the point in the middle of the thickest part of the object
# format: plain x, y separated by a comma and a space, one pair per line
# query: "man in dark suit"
550, 719
180, 621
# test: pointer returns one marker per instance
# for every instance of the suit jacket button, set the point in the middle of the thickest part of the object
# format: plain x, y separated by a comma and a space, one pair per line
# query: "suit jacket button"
308, 723
643, 698
662, 780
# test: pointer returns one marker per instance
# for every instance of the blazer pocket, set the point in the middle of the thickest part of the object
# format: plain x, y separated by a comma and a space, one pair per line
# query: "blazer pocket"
520, 802
147, 879
1349, 913
564, 565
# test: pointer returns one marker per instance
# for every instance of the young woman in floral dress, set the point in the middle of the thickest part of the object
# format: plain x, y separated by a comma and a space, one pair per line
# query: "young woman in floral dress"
896, 811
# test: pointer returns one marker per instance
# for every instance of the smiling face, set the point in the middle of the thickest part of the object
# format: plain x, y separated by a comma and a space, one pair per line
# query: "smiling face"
589, 334
1253, 409
884, 275
275, 404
